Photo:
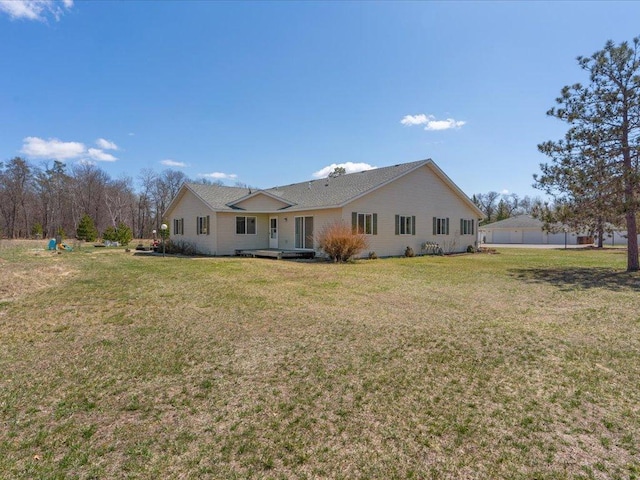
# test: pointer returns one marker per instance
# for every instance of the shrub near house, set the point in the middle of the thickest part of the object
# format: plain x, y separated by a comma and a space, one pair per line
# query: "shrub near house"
340, 243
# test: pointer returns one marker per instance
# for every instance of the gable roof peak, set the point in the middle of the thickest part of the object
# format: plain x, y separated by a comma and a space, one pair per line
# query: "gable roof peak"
341, 189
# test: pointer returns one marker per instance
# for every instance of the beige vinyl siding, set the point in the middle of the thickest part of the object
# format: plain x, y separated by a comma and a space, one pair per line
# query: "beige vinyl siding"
229, 241
261, 203
320, 219
189, 208
421, 194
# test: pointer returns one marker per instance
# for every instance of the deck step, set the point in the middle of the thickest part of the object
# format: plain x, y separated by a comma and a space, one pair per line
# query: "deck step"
275, 253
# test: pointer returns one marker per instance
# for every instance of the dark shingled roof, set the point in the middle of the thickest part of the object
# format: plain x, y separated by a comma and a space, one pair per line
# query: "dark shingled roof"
218, 196
322, 193
329, 192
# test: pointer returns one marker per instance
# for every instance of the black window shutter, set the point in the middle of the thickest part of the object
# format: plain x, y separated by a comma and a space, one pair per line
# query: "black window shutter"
435, 226
473, 232
207, 224
354, 222
197, 225
447, 227
397, 224
375, 223
413, 225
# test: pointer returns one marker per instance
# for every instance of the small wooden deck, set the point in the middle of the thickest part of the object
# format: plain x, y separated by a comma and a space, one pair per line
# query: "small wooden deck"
275, 253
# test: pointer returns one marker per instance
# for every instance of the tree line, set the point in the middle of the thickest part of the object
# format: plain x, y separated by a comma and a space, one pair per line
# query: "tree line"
46, 201
496, 206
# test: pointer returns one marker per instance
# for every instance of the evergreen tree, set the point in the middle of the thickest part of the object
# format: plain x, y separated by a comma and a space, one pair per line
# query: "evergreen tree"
123, 234
594, 169
110, 234
86, 229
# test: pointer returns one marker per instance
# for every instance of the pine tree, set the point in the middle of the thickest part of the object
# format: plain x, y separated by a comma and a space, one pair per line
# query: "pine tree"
594, 169
123, 234
86, 229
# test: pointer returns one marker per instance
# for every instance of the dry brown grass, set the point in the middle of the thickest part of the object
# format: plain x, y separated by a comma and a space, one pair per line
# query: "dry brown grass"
28, 277
515, 365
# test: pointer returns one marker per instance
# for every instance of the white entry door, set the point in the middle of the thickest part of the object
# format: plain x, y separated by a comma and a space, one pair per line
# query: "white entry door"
273, 232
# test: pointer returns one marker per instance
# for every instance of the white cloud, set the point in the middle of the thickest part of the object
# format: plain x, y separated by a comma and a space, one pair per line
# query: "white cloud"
35, 9
414, 119
106, 144
505, 192
219, 175
173, 163
58, 150
349, 167
444, 124
101, 156
430, 122
52, 148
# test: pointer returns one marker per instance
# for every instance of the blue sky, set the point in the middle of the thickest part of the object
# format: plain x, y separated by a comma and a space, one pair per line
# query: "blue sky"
272, 93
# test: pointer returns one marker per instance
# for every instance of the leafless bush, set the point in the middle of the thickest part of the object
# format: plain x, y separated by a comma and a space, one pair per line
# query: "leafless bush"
339, 242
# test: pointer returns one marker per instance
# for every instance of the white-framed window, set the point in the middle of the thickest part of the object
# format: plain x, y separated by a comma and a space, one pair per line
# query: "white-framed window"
246, 226
467, 227
365, 223
405, 225
202, 225
440, 226
303, 232
178, 226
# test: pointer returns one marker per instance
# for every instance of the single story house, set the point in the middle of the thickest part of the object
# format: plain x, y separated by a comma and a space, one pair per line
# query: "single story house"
406, 205
524, 229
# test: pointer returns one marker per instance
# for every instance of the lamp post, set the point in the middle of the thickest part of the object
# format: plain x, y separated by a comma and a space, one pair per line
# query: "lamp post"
163, 228
565, 237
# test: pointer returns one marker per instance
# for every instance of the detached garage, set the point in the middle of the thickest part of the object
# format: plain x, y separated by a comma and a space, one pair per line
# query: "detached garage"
523, 229
532, 236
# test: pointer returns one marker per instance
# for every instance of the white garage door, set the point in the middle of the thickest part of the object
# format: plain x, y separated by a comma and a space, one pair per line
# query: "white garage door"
516, 236
533, 237
501, 236
558, 239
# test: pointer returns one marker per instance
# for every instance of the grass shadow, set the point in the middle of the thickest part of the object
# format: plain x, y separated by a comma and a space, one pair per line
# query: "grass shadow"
579, 277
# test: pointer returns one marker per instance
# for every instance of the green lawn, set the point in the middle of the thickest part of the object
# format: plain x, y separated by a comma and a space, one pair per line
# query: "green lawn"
524, 364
